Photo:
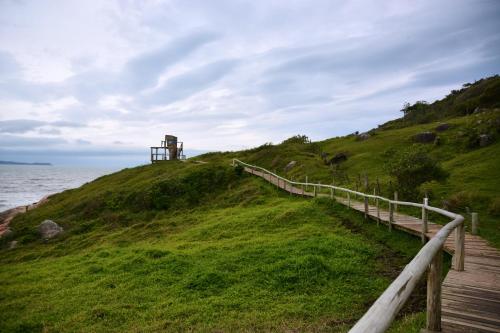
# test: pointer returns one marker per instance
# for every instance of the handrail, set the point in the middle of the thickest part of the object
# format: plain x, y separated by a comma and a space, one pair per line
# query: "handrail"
383, 312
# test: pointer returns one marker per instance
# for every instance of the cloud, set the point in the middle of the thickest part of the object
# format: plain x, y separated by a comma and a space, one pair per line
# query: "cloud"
186, 84
228, 75
27, 125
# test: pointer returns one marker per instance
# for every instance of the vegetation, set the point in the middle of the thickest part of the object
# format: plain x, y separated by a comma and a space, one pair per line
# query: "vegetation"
484, 93
244, 258
411, 167
206, 247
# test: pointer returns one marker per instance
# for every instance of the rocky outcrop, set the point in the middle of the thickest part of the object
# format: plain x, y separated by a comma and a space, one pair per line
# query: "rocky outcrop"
49, 229
338, 158
290, 165
442, 127
424, 137
362, 136
484, 140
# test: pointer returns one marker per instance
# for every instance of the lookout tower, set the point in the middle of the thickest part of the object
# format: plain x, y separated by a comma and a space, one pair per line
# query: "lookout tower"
169, 150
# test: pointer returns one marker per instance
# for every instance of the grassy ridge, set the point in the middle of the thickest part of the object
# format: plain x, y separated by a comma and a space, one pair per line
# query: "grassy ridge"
473, 171
269, 262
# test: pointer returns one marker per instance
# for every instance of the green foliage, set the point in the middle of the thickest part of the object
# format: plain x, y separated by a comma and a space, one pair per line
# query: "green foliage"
300, 139
484, 93
494, 207
412, 167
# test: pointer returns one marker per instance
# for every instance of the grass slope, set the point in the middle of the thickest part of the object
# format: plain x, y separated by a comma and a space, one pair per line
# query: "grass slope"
238, 256
473, 171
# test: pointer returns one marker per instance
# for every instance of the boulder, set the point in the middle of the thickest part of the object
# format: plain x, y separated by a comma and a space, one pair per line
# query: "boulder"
338, 158
442, 127
484, 140
7, 233
49, 229
424, 137
363, 137
290, 165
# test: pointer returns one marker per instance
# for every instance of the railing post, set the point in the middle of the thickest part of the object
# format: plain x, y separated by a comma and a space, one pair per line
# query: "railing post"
378, 212
475, 223
424, 220
319, 188
434, 293
391, 215
366, 206
348, 199
395, 199
331, 192
302, 188
459, 255
307, 184
291, 186
314, 188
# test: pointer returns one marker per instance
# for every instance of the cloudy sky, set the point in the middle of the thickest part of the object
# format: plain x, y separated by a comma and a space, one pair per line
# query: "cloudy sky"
98, 82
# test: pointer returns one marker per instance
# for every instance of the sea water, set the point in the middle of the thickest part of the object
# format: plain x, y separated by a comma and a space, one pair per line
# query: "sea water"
25, 184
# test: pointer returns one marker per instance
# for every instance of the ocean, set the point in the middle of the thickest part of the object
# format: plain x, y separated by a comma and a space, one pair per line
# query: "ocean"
26, 184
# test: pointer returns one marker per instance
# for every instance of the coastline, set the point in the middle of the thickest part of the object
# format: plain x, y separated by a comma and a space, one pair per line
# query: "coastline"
8, 215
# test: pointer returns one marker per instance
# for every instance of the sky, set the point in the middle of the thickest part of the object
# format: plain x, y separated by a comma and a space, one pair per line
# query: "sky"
99, 82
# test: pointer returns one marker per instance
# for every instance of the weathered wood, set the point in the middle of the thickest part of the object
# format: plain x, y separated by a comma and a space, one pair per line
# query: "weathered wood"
459, 256
366, 206
425, 228
395, 199
474, 223
434, 292
391, 215
378, 211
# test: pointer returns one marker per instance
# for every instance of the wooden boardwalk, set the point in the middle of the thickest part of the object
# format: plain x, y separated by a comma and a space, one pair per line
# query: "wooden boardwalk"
470, 298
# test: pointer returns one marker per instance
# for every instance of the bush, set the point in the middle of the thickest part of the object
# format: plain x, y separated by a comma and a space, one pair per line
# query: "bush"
494, 208
411, 168
300, 139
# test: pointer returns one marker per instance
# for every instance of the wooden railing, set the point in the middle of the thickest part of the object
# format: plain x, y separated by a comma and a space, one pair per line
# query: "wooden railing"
383, 312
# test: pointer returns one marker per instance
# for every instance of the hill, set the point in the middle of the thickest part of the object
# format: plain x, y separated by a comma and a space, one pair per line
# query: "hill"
201, 246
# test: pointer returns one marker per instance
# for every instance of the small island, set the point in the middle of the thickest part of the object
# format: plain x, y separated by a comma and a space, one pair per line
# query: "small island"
22, 163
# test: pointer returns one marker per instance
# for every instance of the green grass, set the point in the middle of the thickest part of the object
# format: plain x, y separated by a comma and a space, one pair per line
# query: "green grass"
265, 262
473, 172
184, 246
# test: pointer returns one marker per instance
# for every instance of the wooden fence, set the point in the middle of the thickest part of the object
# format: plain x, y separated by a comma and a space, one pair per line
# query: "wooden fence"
383, 312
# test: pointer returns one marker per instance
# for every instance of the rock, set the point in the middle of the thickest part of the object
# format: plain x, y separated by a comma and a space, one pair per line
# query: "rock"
424, 137
290, 165
12, 245
477, 110
340, 157
442, 127
49, 229
7, 233
363, 136
484, 140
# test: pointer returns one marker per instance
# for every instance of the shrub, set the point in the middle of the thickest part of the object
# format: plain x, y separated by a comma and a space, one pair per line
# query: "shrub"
458, 201
411, 168
494, 207
300, 139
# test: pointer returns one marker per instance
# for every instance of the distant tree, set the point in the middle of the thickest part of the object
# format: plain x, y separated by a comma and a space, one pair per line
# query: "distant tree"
298, 139
418, 108
406, 108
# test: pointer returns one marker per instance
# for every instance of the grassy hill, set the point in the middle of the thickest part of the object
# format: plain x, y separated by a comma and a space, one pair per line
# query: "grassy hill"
188, 246
200, 246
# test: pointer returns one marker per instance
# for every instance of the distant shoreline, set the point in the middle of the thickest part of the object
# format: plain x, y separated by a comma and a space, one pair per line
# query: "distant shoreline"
23, 163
